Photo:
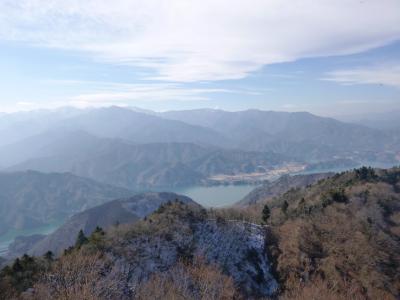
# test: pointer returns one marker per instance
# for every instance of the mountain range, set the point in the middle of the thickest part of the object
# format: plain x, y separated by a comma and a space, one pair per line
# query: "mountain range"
301, 134
141, 149
135, 166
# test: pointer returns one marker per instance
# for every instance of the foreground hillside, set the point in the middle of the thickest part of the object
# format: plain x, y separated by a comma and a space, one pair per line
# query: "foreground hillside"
178, 252
338, 238
121, 211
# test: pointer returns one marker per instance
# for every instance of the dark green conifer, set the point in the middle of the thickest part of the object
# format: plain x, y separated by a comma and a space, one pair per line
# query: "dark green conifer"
81, 239
266, 213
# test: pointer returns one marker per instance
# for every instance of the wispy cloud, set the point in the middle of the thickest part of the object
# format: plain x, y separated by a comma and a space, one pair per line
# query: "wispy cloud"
100, 93
386, 74
202, 40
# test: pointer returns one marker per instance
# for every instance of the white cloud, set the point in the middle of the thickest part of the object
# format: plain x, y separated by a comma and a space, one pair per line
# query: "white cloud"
96, 93
125, 93
387, 74
202, 40
86, 93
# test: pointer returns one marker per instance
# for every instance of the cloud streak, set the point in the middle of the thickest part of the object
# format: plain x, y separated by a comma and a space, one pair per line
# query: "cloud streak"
100, 93
387, 74
187, 41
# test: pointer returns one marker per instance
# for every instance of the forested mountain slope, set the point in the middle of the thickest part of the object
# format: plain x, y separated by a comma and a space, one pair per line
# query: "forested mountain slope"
278, 187
30, 199
123, 163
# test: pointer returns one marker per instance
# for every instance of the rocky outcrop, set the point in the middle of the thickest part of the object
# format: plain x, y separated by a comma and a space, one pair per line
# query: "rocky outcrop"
177, 232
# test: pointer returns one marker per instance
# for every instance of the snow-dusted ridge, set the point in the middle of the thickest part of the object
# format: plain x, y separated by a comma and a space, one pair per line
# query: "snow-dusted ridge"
237, 248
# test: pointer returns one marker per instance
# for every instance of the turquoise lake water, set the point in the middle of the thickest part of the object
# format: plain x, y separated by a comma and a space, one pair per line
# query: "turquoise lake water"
8, 238
216, 196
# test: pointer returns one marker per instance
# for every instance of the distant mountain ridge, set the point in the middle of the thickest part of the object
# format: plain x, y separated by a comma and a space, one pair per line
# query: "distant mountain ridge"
141, 149
380, 120
123, 163
298, 134
139, 127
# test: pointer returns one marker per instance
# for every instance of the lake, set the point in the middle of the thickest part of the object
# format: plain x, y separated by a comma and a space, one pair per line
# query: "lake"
216, 196
8, 238
212, 196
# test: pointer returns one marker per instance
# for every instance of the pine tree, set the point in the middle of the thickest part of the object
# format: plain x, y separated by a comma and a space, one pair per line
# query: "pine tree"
98, 230
49, 255
284, 207
81, 239
266, 213
17, 267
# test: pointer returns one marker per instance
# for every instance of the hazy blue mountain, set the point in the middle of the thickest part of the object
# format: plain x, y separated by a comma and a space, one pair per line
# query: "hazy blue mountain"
300, 134
385, 120
62, 143
132, 124
31, 199
139, 127
133, 149
123, 163
20, 125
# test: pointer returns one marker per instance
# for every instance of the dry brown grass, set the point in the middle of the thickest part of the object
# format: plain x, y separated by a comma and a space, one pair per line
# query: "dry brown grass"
78, 276
339, 250
188, 281
319, 289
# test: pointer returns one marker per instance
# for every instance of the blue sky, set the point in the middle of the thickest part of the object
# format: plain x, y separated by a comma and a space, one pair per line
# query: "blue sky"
327, 57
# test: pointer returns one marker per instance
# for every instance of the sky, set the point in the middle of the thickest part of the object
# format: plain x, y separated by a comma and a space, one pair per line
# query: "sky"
328, 57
